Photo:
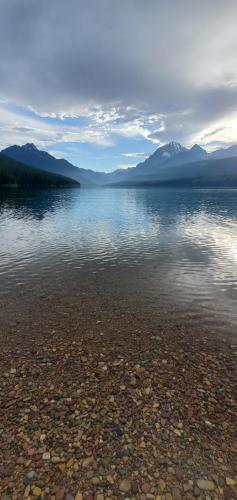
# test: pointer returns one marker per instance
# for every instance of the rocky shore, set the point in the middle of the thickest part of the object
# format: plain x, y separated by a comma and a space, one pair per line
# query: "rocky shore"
99, 410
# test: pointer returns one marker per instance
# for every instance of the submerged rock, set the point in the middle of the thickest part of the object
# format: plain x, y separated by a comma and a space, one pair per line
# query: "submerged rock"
205, 484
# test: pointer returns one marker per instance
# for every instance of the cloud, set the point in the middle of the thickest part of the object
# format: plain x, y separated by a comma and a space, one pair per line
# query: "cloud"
125, 166
157, 70
222, 133
16, 128
135, 155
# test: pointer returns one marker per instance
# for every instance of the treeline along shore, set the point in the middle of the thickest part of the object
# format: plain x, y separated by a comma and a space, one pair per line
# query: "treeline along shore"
14, 174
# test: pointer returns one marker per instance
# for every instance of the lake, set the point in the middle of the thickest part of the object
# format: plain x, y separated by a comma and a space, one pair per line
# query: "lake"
167, 254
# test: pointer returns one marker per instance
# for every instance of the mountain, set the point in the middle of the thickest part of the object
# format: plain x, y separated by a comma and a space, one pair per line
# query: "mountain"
209, 173
225, 153
168, 156
164, 155
30, 155
159, 163
15, 174
168, 163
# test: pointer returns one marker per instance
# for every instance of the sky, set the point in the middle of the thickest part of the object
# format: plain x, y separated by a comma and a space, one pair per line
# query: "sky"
103, 83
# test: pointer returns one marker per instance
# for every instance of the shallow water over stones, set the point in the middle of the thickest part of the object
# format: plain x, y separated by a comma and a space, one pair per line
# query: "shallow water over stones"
166, 252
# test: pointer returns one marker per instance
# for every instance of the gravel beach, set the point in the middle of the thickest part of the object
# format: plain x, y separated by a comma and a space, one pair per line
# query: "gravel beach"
105, 406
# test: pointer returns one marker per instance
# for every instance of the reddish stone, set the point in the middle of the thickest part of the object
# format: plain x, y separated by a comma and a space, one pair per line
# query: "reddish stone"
227, 494
145, 487
30, 452
205, 445
39, 463
87, 462
60, 493
179, 475
187, 487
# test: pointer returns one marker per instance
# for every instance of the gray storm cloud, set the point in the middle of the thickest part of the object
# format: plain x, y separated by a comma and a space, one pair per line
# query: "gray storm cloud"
175, 58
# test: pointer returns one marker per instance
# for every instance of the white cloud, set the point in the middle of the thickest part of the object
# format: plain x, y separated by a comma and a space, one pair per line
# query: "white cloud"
125, 166
135, 155
220, 134
16, 128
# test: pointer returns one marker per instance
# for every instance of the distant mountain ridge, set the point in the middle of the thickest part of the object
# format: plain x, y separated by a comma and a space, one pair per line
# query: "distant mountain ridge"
30, 155
225, 153
211, 173
169, 162
14, 174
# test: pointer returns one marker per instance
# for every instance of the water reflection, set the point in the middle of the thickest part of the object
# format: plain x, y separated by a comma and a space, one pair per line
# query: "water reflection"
28, 205
175, 250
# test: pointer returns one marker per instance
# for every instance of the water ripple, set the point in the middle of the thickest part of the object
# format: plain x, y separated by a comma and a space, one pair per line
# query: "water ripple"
175, 249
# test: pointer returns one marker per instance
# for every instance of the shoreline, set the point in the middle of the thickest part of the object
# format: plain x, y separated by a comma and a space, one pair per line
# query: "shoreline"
112, 406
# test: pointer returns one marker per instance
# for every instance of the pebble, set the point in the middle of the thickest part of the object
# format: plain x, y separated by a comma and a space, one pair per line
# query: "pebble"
79, 496
125, 485
88, 461
162, 485
56, 460
36, 491
111, 437
95, 481
176, 494
31, 474
229, 481
179, 475
134, 487
164, 434
145, 487
196, 491
27, 491
205, 484
60, 493
187, 487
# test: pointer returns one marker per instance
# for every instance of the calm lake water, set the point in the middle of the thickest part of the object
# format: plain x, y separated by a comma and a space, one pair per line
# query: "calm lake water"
174, 252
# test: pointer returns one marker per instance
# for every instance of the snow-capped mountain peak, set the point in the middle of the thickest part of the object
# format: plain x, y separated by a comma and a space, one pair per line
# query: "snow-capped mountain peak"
169, 150
176, 147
